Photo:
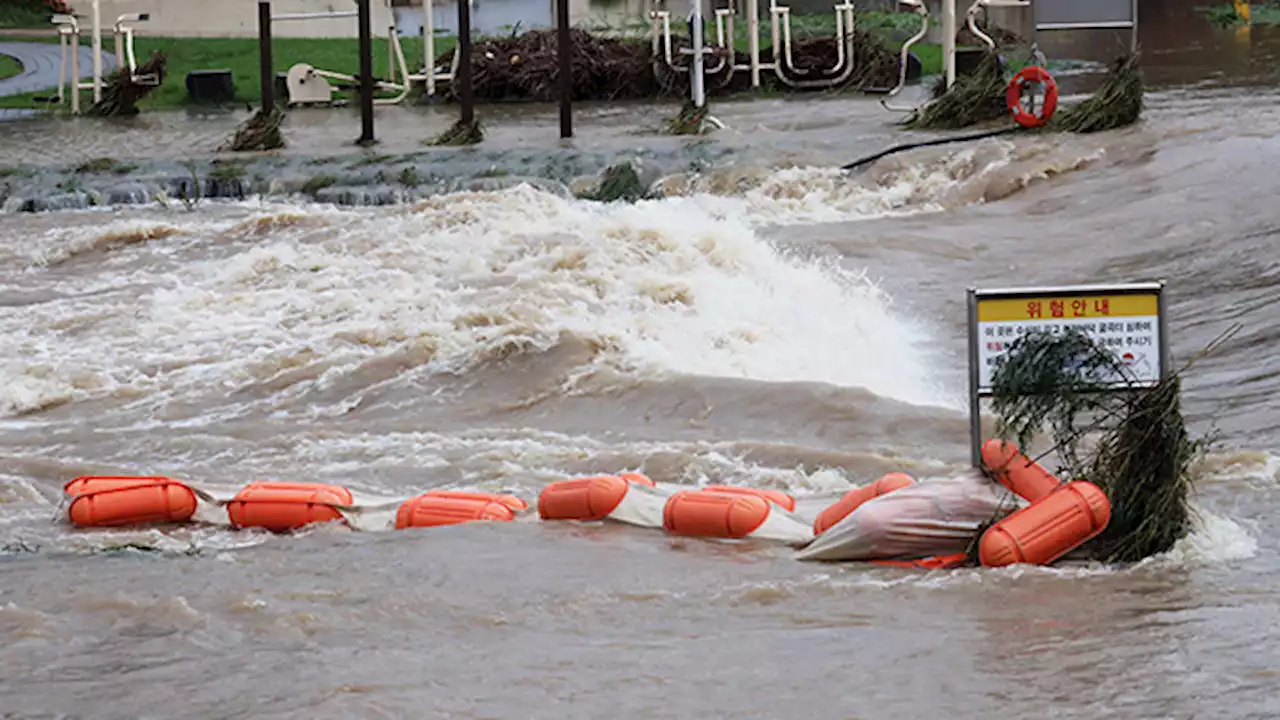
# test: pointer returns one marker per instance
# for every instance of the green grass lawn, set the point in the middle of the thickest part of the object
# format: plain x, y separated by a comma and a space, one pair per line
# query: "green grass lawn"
23, 14
9, 67
240, 55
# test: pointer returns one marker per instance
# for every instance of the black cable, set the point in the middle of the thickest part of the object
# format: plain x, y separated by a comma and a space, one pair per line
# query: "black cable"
928, 143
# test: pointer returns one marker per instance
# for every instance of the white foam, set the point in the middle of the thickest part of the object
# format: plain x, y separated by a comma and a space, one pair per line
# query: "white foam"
681, 285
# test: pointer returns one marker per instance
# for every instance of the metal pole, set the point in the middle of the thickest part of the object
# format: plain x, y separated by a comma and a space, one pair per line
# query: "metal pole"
1133, 37
429, 44
97, 51
392, 38
75, 71
268, 89
975, 402
949, 40
753, 40
565, 51
464, 63
696, 78
366, 74
1166, 357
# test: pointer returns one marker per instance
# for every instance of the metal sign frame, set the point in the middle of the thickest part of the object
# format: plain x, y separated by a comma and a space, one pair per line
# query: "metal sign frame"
975, 296
1131, 24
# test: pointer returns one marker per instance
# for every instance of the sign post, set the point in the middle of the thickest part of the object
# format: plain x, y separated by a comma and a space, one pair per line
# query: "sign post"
1129, 320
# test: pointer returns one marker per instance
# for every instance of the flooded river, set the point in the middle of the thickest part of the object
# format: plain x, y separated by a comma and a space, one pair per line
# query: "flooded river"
774, 324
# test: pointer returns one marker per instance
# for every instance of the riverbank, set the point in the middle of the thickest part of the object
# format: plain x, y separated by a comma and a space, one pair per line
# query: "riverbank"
172, 159
340, 55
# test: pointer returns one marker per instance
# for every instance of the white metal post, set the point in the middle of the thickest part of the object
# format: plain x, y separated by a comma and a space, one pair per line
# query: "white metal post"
696, 77
949, 40
75, 71
429, 43
97, 51
753, 40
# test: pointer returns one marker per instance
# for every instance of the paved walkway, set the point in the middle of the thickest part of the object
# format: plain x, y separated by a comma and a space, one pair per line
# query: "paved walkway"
41, 63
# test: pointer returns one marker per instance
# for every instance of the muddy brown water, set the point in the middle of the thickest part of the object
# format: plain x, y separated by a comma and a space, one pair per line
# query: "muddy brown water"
773, 324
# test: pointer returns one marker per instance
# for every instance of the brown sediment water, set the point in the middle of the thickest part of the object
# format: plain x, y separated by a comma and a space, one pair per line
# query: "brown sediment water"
772, 323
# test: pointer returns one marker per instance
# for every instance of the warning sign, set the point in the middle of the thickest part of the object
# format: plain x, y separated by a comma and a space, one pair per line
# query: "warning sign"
1126, 324
1128, 320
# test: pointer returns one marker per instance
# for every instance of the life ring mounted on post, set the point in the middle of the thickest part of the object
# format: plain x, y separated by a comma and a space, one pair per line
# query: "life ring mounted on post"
1027, 77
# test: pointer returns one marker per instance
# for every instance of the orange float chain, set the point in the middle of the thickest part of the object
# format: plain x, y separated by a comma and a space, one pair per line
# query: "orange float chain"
714, 514
856, 497
110, 501
638, 479
1048, 528
934, 562
587, 499
776, 497
1016, 471
450, 508
284, 506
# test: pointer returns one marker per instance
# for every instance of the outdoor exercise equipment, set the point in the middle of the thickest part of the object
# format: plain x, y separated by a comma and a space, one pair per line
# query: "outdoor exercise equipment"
309, 85
783, 64
920, 9
1049, 16
265, 21
69, 34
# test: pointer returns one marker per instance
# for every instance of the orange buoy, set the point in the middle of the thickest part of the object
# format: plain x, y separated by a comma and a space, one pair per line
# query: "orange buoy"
933, 562
587, 499
1027, 76
775, 496
856, 497
1016, 471
511, 501
638, 478
109, 501
283, 506
726, 515
435, 508
1048, 528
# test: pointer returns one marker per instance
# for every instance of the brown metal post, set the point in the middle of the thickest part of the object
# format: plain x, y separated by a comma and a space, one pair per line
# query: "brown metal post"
264, 56
366, 74
565, 51
464, 63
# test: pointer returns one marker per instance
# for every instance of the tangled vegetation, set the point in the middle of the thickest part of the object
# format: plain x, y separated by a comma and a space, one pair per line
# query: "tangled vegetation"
1140, 453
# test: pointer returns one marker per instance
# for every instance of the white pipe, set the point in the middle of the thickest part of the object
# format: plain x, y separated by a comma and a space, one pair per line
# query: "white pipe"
949, 40
699, 98
75, 72
97, 51
753, 40
315, 16
429, 44
773, 26
62, 70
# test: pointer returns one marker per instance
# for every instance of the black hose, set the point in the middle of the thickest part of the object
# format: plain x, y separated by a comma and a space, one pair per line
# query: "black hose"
928, 143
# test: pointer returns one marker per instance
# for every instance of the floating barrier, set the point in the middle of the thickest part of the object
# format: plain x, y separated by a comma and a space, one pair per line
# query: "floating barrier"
638, 479
856, 497
714, 514
112, 501
444, 508
283, 506
1059, 518
584, 499
1048, 528
776, 497
512, 502
1017, 472
935, 562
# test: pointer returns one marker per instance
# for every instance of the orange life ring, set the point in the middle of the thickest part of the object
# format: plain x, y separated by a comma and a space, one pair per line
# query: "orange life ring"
1032, 75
